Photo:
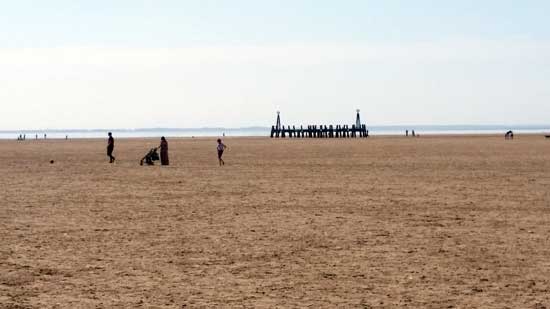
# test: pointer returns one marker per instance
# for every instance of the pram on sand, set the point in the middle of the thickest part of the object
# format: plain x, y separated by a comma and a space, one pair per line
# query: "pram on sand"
150, 157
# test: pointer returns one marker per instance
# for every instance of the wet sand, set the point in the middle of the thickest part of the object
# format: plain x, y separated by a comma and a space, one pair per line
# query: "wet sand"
431, 222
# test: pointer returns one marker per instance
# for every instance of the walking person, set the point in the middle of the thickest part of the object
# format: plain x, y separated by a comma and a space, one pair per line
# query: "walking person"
110, 147
221, 147
164, 152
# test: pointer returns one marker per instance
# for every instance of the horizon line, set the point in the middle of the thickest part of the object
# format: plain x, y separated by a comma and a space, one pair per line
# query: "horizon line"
393, 126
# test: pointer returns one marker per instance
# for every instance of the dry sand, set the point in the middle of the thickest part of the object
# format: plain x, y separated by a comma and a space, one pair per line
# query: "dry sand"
431, 222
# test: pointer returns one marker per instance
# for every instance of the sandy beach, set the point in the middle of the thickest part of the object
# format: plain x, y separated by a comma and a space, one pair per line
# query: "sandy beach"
384, 222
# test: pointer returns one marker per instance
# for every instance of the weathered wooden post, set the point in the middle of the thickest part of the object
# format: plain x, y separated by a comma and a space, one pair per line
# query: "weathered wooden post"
278, 124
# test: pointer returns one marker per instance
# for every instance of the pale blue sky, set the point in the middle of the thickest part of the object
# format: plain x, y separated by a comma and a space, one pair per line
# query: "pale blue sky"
122, 64
184, 23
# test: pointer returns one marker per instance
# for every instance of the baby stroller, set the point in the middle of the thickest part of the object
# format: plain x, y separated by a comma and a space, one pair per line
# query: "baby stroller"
150, 157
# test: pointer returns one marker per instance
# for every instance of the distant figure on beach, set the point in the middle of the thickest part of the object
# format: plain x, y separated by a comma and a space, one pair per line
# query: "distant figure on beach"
66, 137
45, 136
110, 147
221, 147
24, 137
406, 132
413, 133
164, 151
36, 136
509, 135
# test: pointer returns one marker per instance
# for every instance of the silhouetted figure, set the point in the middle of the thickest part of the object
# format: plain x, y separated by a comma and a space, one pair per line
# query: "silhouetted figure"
406, 132
164, 152
221, 147
110, 147
413, 133
45, 136
66, 137
509, 135
24, 136
36, 136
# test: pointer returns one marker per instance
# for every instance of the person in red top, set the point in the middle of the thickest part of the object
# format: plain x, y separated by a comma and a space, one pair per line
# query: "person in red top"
110, 148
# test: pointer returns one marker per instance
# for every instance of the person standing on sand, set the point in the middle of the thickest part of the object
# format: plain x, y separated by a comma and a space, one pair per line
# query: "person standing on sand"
164, 151
221, 147
110, 147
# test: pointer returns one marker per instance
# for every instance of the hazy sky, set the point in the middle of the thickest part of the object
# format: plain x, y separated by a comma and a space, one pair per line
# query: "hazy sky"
234, 63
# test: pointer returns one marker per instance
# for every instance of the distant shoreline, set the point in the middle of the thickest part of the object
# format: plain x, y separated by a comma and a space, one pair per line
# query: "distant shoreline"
419, 128
156, 135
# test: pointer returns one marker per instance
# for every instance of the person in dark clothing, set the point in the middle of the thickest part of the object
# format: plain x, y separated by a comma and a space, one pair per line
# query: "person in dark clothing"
111, 147
164, 152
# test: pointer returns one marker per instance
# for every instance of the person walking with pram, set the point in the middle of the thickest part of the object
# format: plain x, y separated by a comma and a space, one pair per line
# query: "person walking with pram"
153, 155
164, 152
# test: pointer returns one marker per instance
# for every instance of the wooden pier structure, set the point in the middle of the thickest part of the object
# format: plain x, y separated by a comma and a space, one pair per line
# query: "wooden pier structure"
320, 131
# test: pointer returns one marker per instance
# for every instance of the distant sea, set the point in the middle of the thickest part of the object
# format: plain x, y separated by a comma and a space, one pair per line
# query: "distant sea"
265, 131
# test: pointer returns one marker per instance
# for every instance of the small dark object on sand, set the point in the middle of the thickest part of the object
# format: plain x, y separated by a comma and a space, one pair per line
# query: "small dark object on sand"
150, 157
509, 135
51, 161
547, 136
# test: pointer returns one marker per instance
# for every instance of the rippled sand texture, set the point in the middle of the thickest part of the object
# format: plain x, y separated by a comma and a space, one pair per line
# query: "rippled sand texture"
431, 222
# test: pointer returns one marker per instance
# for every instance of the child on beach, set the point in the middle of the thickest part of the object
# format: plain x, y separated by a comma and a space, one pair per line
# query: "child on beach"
221, 147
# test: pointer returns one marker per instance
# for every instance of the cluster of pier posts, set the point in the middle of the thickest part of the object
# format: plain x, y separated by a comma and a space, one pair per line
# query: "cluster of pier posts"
322, 131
